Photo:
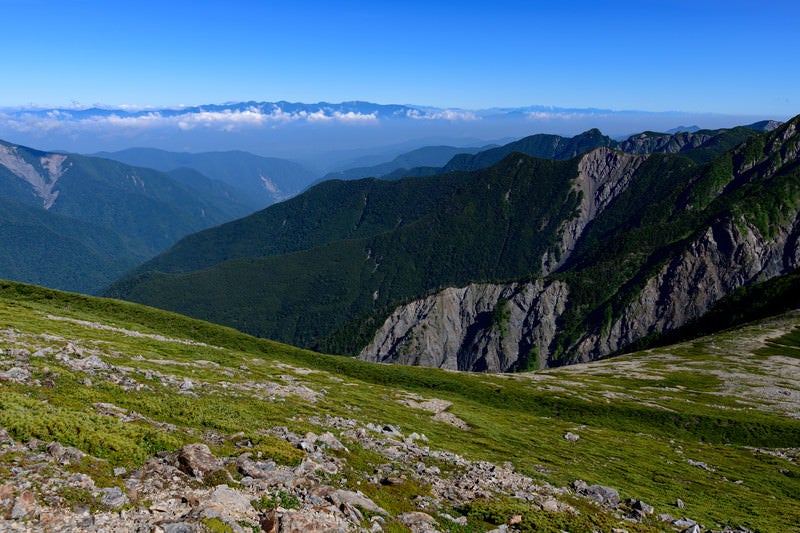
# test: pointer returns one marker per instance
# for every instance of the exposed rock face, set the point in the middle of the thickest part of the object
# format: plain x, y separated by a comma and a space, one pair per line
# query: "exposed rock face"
602, 175
725, 257
648, 143
478, 327
43, 180
453, 329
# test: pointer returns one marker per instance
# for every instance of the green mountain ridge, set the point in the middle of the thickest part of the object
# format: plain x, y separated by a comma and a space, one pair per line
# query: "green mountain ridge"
335, 279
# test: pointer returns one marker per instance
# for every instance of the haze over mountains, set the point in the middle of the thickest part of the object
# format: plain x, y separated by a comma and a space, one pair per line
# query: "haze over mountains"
305, 132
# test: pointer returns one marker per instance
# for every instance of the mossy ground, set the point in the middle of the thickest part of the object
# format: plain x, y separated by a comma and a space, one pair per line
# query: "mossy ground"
645, 420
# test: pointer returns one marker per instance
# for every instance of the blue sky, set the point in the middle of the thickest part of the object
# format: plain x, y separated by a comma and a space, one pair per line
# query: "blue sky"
733, 57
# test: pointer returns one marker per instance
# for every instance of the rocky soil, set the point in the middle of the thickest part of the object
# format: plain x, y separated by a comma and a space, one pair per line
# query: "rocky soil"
191, 490
350, 475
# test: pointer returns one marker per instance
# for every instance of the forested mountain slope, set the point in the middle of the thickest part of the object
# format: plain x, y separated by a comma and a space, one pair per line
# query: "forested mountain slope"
603, 250
78, 222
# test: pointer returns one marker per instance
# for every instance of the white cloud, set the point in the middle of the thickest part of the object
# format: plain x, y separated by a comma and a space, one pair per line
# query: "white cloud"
224, 120
356, 118
442, 114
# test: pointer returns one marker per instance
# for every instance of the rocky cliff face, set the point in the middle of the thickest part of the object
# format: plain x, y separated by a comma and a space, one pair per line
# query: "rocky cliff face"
478, 327
504, 327
727, 256
602, 175
43, 179
649, 143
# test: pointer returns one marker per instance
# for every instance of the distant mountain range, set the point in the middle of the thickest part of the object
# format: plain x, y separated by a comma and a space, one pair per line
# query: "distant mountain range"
76, 222
260, 181
306, 131
558, 256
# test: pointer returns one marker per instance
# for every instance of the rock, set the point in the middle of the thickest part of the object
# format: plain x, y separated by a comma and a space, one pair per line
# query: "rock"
178, 527
550, 505
684, 523
639, 505
603, 495
269, 522
15, 374
453, 420
113, 497
340, 497
5, 438
255, 469
692, 529
230, 501
197, 460
679, 503
571, 436
24, 506
81, 481
311, 522
418, 522
329, 440
56, 450
71, 349
6, 500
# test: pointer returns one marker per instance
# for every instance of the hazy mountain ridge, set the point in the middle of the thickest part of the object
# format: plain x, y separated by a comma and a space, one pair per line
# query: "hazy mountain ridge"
700, 145
428, 156
135, 212
261, 181
288, 129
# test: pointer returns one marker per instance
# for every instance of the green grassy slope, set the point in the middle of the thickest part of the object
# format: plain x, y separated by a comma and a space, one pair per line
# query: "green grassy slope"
645, 420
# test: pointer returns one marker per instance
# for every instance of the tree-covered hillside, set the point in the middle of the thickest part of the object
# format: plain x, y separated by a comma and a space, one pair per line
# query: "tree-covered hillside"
326, 268
77, 222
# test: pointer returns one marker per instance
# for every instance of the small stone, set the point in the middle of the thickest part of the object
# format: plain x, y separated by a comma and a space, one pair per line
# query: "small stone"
113, 497
177, 527
417, 521
15, 374
329, 440
55, 450
684, 523
639, 505
197, 460
5, 438
679, 503
571, 436
24, 506
269, 522
550, 505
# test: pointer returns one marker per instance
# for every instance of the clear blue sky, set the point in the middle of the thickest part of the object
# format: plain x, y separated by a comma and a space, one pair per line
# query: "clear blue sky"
731, 56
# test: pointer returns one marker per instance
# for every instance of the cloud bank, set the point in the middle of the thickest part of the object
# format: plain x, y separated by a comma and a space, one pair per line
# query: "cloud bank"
297, 129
